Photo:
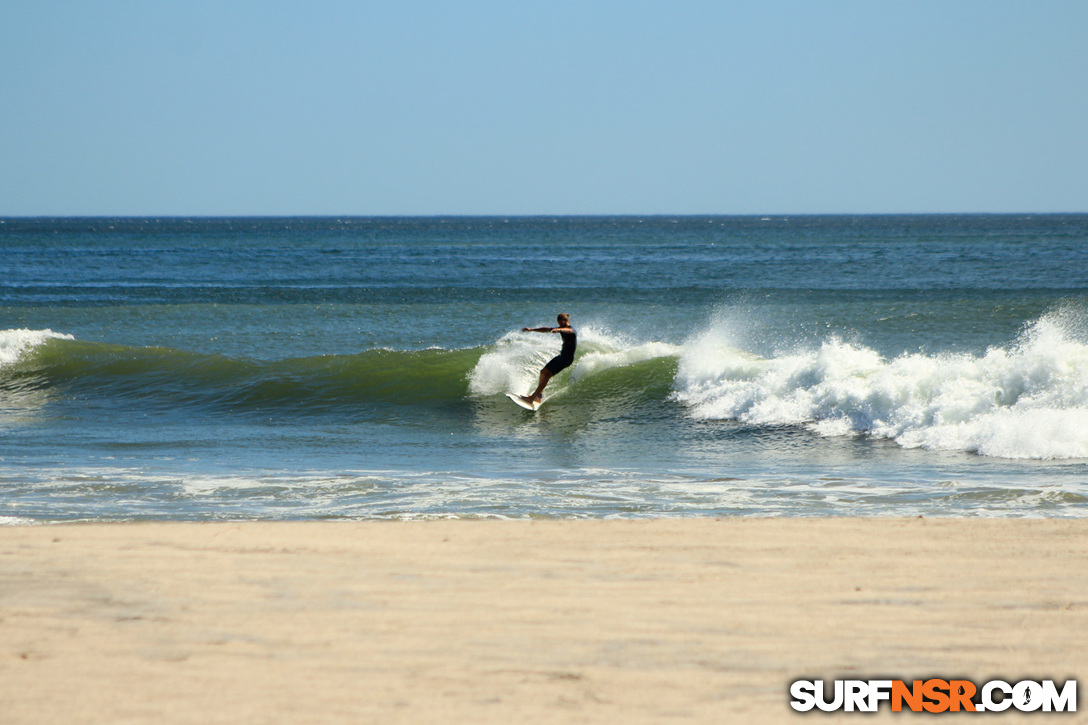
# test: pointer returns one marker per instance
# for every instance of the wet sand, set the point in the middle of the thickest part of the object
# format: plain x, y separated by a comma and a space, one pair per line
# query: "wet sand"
675, 620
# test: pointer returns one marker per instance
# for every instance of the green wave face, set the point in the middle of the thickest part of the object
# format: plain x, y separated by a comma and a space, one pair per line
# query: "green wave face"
162, 377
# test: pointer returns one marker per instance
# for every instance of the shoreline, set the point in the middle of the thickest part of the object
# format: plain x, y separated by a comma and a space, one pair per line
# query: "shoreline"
649, 620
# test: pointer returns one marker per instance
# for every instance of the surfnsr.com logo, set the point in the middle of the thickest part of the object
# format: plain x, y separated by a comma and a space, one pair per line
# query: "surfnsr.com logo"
934, 696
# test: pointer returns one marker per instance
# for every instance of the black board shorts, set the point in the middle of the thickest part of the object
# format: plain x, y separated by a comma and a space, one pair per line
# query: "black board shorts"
557, 363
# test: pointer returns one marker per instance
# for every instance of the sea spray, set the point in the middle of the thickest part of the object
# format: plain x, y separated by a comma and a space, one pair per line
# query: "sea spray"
511, 365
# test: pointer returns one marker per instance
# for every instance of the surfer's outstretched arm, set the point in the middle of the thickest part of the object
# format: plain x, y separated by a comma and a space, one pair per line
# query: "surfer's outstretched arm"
547, 329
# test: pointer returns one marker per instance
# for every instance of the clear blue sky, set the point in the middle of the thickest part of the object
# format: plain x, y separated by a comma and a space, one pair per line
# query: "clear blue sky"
469, 107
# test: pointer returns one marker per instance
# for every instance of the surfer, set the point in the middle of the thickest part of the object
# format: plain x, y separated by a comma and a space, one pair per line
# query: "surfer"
561, 361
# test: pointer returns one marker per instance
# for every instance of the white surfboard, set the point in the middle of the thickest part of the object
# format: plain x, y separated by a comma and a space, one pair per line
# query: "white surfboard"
524, 402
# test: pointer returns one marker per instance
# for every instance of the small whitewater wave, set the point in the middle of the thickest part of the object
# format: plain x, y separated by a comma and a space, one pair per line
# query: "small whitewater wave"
1026, 400
16, 343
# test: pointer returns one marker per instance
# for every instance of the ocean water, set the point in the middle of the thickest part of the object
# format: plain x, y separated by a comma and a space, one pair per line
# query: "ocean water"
298, 368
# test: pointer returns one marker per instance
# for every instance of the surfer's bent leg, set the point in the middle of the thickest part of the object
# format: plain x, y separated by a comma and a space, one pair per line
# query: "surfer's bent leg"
554, 365
538, 394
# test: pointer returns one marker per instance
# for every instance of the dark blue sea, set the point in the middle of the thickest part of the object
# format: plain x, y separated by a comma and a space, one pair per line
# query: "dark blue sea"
316, 368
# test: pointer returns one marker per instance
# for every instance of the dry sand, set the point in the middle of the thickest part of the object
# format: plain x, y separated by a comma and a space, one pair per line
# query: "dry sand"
543, 622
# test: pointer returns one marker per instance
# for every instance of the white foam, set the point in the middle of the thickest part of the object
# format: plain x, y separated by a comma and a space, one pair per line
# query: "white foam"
15, 343
16, 521
620, 354
1026, 400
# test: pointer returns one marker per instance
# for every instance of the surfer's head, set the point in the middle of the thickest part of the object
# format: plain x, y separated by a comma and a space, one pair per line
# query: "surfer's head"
563, 319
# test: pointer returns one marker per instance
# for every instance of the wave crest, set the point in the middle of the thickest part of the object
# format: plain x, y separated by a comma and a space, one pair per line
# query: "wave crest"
14, 344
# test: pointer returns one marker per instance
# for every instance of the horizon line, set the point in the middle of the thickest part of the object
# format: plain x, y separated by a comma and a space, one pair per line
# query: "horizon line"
623, 215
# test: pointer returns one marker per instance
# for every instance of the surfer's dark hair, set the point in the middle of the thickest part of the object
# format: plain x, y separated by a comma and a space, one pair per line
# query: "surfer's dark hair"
562, 316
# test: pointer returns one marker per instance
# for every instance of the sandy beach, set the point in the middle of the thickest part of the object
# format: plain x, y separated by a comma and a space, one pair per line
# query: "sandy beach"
681, 620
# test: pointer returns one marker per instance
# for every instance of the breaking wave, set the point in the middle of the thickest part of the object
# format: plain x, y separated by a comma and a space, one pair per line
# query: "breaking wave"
1024, 400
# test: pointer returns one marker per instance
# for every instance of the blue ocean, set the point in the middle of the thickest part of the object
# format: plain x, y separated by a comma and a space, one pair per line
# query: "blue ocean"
326, 368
